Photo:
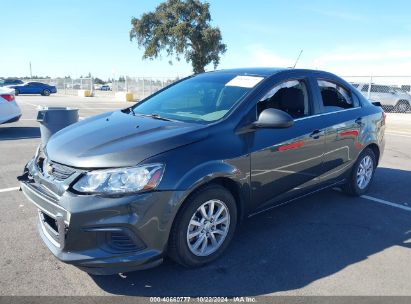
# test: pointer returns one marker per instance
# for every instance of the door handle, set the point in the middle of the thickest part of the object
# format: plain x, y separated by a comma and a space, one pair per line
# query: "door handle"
358, 121
316, 134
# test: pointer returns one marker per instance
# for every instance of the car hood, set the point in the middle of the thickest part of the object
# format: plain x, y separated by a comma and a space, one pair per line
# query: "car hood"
118, 139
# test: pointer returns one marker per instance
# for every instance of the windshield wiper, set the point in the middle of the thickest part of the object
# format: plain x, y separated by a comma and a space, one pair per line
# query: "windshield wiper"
156, 116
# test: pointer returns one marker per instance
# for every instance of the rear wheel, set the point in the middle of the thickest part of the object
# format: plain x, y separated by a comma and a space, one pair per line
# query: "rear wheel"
16, 92
402, 106
203, 227
46, 92
362, 174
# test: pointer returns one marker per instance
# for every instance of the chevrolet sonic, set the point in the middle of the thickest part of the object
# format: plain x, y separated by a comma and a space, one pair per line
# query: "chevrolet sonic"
174, 174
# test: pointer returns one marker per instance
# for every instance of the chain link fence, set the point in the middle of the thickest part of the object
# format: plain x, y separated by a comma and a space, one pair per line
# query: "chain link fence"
393, 92
141, 87
67, 86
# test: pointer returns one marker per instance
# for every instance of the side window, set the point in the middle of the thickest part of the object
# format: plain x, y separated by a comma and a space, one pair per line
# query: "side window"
380, 89
334, 96
289, 96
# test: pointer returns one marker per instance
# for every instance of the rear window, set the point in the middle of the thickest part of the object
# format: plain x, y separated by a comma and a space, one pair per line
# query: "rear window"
380, 88
334, 96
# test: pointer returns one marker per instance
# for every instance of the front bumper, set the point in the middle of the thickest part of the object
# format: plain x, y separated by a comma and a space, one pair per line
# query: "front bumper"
101, 235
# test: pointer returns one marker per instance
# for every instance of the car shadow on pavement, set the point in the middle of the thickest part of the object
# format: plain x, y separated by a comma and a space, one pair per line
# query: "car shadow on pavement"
392, 185
14, 133
280, 250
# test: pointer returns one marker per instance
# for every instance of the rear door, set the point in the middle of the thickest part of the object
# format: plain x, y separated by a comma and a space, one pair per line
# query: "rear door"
287, 162
33, 88
342, 114
382, 93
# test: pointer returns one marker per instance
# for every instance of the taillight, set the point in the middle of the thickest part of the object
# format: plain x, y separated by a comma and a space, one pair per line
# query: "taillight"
8, 97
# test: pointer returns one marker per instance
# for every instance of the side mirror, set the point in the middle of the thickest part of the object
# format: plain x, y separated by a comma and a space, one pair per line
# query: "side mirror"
274, 118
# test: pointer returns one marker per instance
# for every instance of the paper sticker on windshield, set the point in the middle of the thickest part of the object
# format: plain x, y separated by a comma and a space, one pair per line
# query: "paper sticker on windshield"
244, 81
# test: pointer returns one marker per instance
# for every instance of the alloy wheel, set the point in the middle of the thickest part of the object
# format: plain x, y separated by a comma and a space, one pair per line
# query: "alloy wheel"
402, 107
208, 228
364, 172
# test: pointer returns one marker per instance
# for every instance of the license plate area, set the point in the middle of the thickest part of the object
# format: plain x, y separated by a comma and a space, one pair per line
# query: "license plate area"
53, 219
44, 202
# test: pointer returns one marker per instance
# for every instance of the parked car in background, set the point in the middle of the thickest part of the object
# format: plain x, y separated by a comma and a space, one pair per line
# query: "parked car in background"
105, 87
9, 109
10, 81
34, 88
174, 174
390, 98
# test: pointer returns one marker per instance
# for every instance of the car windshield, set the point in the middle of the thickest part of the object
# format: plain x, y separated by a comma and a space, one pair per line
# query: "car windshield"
204, 98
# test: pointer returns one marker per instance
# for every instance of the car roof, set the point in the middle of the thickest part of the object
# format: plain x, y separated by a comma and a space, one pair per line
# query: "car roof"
267, 71
251, 71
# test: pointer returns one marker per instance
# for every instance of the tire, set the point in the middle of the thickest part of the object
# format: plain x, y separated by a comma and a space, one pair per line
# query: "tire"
46, 92
16, 92
182, 249
354, 186
402, 106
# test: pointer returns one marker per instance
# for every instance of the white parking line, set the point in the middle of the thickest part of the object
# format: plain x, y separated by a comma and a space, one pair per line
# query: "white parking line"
399, 134
384, 202
28, 103
9, 189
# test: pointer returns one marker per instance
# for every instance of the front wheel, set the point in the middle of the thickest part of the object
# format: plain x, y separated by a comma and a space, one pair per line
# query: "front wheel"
362, 174
16, 92
203, 227
46, 92
402, 106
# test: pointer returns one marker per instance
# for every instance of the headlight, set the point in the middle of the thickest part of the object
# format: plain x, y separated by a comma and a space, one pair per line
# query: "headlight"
123, 180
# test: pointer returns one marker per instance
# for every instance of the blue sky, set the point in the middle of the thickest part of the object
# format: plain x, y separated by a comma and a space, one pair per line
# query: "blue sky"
80, 36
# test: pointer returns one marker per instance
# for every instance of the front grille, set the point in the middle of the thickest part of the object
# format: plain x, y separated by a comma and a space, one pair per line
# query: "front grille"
57, 171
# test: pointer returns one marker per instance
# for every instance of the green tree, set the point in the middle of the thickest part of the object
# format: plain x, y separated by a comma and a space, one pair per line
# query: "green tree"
97, 80
180, 28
